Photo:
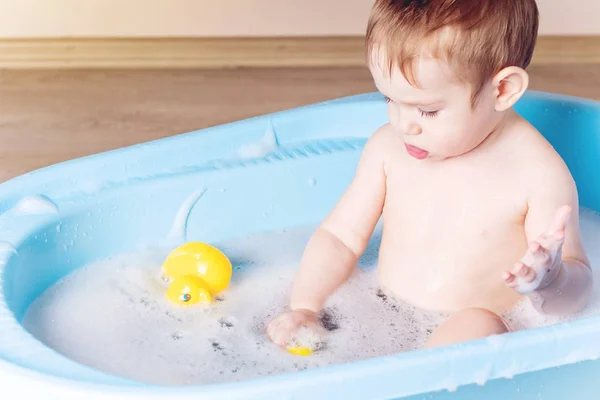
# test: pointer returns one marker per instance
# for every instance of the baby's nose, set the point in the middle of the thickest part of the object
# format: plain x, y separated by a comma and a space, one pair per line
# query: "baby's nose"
413, 129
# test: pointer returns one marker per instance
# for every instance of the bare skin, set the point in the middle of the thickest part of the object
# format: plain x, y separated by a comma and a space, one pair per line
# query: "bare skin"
480, 213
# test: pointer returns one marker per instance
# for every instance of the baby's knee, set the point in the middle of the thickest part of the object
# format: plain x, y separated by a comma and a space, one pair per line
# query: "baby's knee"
465, 325
481, 320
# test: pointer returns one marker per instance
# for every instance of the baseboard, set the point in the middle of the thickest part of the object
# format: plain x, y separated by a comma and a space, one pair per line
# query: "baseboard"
237, 52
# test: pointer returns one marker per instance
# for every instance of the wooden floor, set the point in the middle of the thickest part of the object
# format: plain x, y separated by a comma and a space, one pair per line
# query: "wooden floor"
50, 116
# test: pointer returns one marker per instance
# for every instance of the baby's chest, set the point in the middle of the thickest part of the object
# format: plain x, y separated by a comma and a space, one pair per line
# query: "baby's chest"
450, 210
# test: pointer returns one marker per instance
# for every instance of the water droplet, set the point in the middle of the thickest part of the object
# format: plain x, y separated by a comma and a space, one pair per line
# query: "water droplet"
177, 335
58, 228
312, 182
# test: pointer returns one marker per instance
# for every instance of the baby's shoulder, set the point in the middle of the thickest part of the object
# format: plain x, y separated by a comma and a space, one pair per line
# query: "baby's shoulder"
383, 142
538, 162
383, 138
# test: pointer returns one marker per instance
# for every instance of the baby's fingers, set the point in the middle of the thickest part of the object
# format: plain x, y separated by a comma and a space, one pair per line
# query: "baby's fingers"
525, 273
279, 335
510, 279
285, 331
551, 242
521, 274
561, 219
273, 327
523, 278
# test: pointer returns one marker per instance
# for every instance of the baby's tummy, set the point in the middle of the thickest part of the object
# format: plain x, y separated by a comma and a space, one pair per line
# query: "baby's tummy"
441, 275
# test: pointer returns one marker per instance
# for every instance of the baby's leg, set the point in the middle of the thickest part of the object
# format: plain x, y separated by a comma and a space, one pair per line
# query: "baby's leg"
468, 324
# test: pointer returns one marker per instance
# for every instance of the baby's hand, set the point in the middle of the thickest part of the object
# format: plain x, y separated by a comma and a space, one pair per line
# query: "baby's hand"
284, 328
543, 259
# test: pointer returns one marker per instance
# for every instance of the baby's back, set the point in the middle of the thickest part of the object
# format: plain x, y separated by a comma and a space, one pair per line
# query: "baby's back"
451, 228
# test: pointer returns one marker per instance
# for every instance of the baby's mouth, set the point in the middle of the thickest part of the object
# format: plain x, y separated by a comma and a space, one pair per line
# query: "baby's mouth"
416, 152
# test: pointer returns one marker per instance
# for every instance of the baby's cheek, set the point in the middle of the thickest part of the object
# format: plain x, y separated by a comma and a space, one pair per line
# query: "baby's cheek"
446, 138
452, 144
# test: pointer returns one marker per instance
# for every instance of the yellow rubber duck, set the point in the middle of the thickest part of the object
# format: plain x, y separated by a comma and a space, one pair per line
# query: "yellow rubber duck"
197, 272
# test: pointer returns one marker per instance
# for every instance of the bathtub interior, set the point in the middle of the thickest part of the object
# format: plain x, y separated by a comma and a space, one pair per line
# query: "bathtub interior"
127, 199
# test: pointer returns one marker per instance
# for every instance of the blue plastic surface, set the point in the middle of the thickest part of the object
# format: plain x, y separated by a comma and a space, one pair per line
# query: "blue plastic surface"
128, 198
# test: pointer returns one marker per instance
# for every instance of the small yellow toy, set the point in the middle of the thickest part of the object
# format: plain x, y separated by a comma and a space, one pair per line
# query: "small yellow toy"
197, 272
307, 341
300, 351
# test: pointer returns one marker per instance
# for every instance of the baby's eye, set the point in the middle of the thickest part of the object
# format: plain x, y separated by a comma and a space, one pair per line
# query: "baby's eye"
388, 100
429, 114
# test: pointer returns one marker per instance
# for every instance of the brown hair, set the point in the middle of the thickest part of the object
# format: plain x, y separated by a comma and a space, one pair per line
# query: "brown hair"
478, 38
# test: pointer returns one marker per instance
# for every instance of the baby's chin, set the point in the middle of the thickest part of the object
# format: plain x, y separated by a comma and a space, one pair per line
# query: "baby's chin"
440, 156
434, 156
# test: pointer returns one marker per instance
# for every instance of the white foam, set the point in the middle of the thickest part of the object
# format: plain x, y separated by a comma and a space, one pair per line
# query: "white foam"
36, 205
136, 333
266, 145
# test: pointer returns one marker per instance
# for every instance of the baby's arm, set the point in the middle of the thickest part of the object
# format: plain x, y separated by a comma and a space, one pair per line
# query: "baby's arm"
342, 237
555, 272
337, 244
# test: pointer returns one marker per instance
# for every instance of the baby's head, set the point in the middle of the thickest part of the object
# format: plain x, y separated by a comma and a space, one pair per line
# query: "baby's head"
450, 68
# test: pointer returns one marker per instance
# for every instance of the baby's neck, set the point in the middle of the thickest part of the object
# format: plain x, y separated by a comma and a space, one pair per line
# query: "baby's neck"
498, 132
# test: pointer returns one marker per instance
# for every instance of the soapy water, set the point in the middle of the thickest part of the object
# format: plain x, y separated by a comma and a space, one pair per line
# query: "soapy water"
113, 315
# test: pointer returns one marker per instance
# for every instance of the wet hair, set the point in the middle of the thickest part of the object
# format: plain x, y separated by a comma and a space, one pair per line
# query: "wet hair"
477, 38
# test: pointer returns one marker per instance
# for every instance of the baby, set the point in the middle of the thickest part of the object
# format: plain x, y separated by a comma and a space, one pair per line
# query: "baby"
478, 209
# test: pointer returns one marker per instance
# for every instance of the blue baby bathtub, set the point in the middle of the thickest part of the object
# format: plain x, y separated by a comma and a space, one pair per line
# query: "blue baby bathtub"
130, 196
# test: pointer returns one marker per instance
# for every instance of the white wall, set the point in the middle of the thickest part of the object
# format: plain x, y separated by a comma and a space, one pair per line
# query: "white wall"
144, 18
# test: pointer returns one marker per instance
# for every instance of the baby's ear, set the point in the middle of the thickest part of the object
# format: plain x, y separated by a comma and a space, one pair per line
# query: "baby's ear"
509, 85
